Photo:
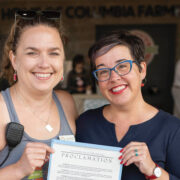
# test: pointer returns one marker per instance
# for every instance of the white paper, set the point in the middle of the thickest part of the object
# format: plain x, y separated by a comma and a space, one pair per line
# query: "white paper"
82, 161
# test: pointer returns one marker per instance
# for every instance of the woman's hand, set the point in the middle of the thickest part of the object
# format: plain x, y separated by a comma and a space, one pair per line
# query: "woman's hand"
138, 153
35, 155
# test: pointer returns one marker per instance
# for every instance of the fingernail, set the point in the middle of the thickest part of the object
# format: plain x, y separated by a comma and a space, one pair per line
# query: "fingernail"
125, 163
121, 162
121, 150
120, 157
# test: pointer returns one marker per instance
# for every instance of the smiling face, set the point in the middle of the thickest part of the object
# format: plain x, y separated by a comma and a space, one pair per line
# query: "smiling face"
121, 90
39, 58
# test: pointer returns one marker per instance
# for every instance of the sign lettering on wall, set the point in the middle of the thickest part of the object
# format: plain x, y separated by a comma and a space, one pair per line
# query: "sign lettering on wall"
80, 12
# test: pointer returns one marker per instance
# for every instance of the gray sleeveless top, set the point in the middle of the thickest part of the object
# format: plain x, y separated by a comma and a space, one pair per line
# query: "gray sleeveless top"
19, 149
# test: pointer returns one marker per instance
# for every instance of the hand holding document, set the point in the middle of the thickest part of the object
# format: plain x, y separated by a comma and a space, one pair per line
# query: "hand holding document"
82, 161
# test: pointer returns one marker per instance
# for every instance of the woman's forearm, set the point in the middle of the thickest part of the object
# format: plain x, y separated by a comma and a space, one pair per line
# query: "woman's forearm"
11, 172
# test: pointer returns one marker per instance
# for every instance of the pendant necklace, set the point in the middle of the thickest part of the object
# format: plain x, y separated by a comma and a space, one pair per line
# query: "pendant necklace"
48, 127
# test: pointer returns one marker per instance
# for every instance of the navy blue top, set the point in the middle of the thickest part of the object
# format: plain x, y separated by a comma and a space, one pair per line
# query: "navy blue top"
161, 134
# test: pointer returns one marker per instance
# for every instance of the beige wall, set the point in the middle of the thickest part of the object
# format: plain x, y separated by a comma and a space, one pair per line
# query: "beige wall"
81, 30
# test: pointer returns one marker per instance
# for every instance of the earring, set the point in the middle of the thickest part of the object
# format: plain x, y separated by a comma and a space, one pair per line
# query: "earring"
15, 76
62, 79
143, 82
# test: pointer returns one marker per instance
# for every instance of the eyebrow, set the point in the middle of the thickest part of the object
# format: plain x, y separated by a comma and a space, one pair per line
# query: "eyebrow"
99, 65
31, 48
36, 49
55, 48
117, 61
120, 60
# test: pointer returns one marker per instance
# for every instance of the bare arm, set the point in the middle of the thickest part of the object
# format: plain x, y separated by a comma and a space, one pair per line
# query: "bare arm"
4, 120
10, 172
142, 160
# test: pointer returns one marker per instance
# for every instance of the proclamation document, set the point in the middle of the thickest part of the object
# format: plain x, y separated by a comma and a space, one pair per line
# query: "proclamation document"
83, 161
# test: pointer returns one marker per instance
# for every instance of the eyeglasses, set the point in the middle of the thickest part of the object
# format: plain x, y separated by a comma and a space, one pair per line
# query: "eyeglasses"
122, 68
34, 14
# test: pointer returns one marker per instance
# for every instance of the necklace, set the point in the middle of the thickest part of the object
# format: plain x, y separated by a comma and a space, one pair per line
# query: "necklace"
48, 127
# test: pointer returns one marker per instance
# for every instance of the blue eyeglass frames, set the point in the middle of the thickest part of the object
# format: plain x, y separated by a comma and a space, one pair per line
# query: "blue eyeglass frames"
122, 68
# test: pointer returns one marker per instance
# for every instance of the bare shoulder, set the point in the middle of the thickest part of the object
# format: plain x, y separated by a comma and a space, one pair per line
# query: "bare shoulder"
64, 95
69, 107
4, 119
66, 99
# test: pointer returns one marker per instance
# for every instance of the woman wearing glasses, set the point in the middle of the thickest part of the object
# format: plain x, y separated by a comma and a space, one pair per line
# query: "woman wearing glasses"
33, 64
149, 136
